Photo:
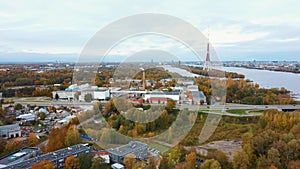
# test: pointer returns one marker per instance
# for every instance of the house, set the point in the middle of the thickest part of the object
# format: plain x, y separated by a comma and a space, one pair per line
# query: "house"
103, 154
10, 131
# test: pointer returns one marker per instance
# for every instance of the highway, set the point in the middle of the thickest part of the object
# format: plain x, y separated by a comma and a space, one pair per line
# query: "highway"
227, 106
213, 109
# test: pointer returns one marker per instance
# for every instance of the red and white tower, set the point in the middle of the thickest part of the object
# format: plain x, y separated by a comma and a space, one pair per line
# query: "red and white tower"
207, 59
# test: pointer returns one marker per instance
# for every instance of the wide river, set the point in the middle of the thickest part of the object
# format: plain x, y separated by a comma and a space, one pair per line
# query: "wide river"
270, 79
265, 78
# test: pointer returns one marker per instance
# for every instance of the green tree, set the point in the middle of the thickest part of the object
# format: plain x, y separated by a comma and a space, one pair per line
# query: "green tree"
165, 162
88, 97
240, 160
263, 163
42, 115
72, 137
274, 157
18, 106
85, 160
210, 164
98, 163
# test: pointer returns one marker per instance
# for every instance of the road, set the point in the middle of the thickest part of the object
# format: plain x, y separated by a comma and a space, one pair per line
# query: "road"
227, 106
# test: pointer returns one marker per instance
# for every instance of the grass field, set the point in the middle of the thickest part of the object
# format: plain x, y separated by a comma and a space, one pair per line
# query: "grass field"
158, 147
237, 111
256, 111
28, 99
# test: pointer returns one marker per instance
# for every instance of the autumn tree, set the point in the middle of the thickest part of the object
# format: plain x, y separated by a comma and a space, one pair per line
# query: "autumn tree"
56, 139
72, 163
42, 115
32, 140
152, 163
72, 137
274, 157
171, 104
294, 164
240, 160
210, 164
129, 161
44, 164
165, 162
191, 158
12, 146
139, 165
221, 158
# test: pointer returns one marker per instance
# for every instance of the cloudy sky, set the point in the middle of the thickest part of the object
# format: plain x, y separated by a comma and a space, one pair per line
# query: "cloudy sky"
32, 30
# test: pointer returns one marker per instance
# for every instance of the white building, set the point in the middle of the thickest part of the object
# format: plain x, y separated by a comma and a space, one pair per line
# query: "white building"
163, 94
117, 166
26, 117
63, 95
196, 96
10, 131
97, 94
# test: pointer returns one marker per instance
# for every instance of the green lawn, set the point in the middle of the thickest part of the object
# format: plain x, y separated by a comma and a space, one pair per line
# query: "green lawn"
158, 147
207, 111
28, 99
256, 112
237, 111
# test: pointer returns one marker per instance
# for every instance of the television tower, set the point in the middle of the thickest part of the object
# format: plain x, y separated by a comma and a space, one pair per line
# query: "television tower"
207, 59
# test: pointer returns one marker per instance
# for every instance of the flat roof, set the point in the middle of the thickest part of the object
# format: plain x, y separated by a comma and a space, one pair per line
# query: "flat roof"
52, 156
117, 165
7, 159
10, 127
128, 148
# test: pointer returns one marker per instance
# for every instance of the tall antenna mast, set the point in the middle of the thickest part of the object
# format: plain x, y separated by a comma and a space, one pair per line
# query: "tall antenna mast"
207, 59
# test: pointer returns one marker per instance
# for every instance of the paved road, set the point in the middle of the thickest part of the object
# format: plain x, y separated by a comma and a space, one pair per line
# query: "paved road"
216, 107
190, 107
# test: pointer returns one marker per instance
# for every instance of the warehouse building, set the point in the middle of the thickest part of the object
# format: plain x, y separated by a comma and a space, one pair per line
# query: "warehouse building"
10, 131
137, 148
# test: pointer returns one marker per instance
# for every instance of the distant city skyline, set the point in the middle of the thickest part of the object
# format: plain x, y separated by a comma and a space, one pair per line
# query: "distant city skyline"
33, 31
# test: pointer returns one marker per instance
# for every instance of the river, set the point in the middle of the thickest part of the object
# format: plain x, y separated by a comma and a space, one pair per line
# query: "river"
271, 79
265, 78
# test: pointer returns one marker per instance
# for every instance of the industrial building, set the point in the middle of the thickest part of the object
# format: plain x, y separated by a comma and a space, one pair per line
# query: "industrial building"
196, 96
75, 92
137, 148
19, 156
10, 131
162, 95
58, 157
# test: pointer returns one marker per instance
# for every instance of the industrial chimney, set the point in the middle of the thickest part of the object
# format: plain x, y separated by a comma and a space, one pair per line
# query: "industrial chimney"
143, 79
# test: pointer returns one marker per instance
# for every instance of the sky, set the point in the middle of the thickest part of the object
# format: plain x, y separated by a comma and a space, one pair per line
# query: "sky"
38, 31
